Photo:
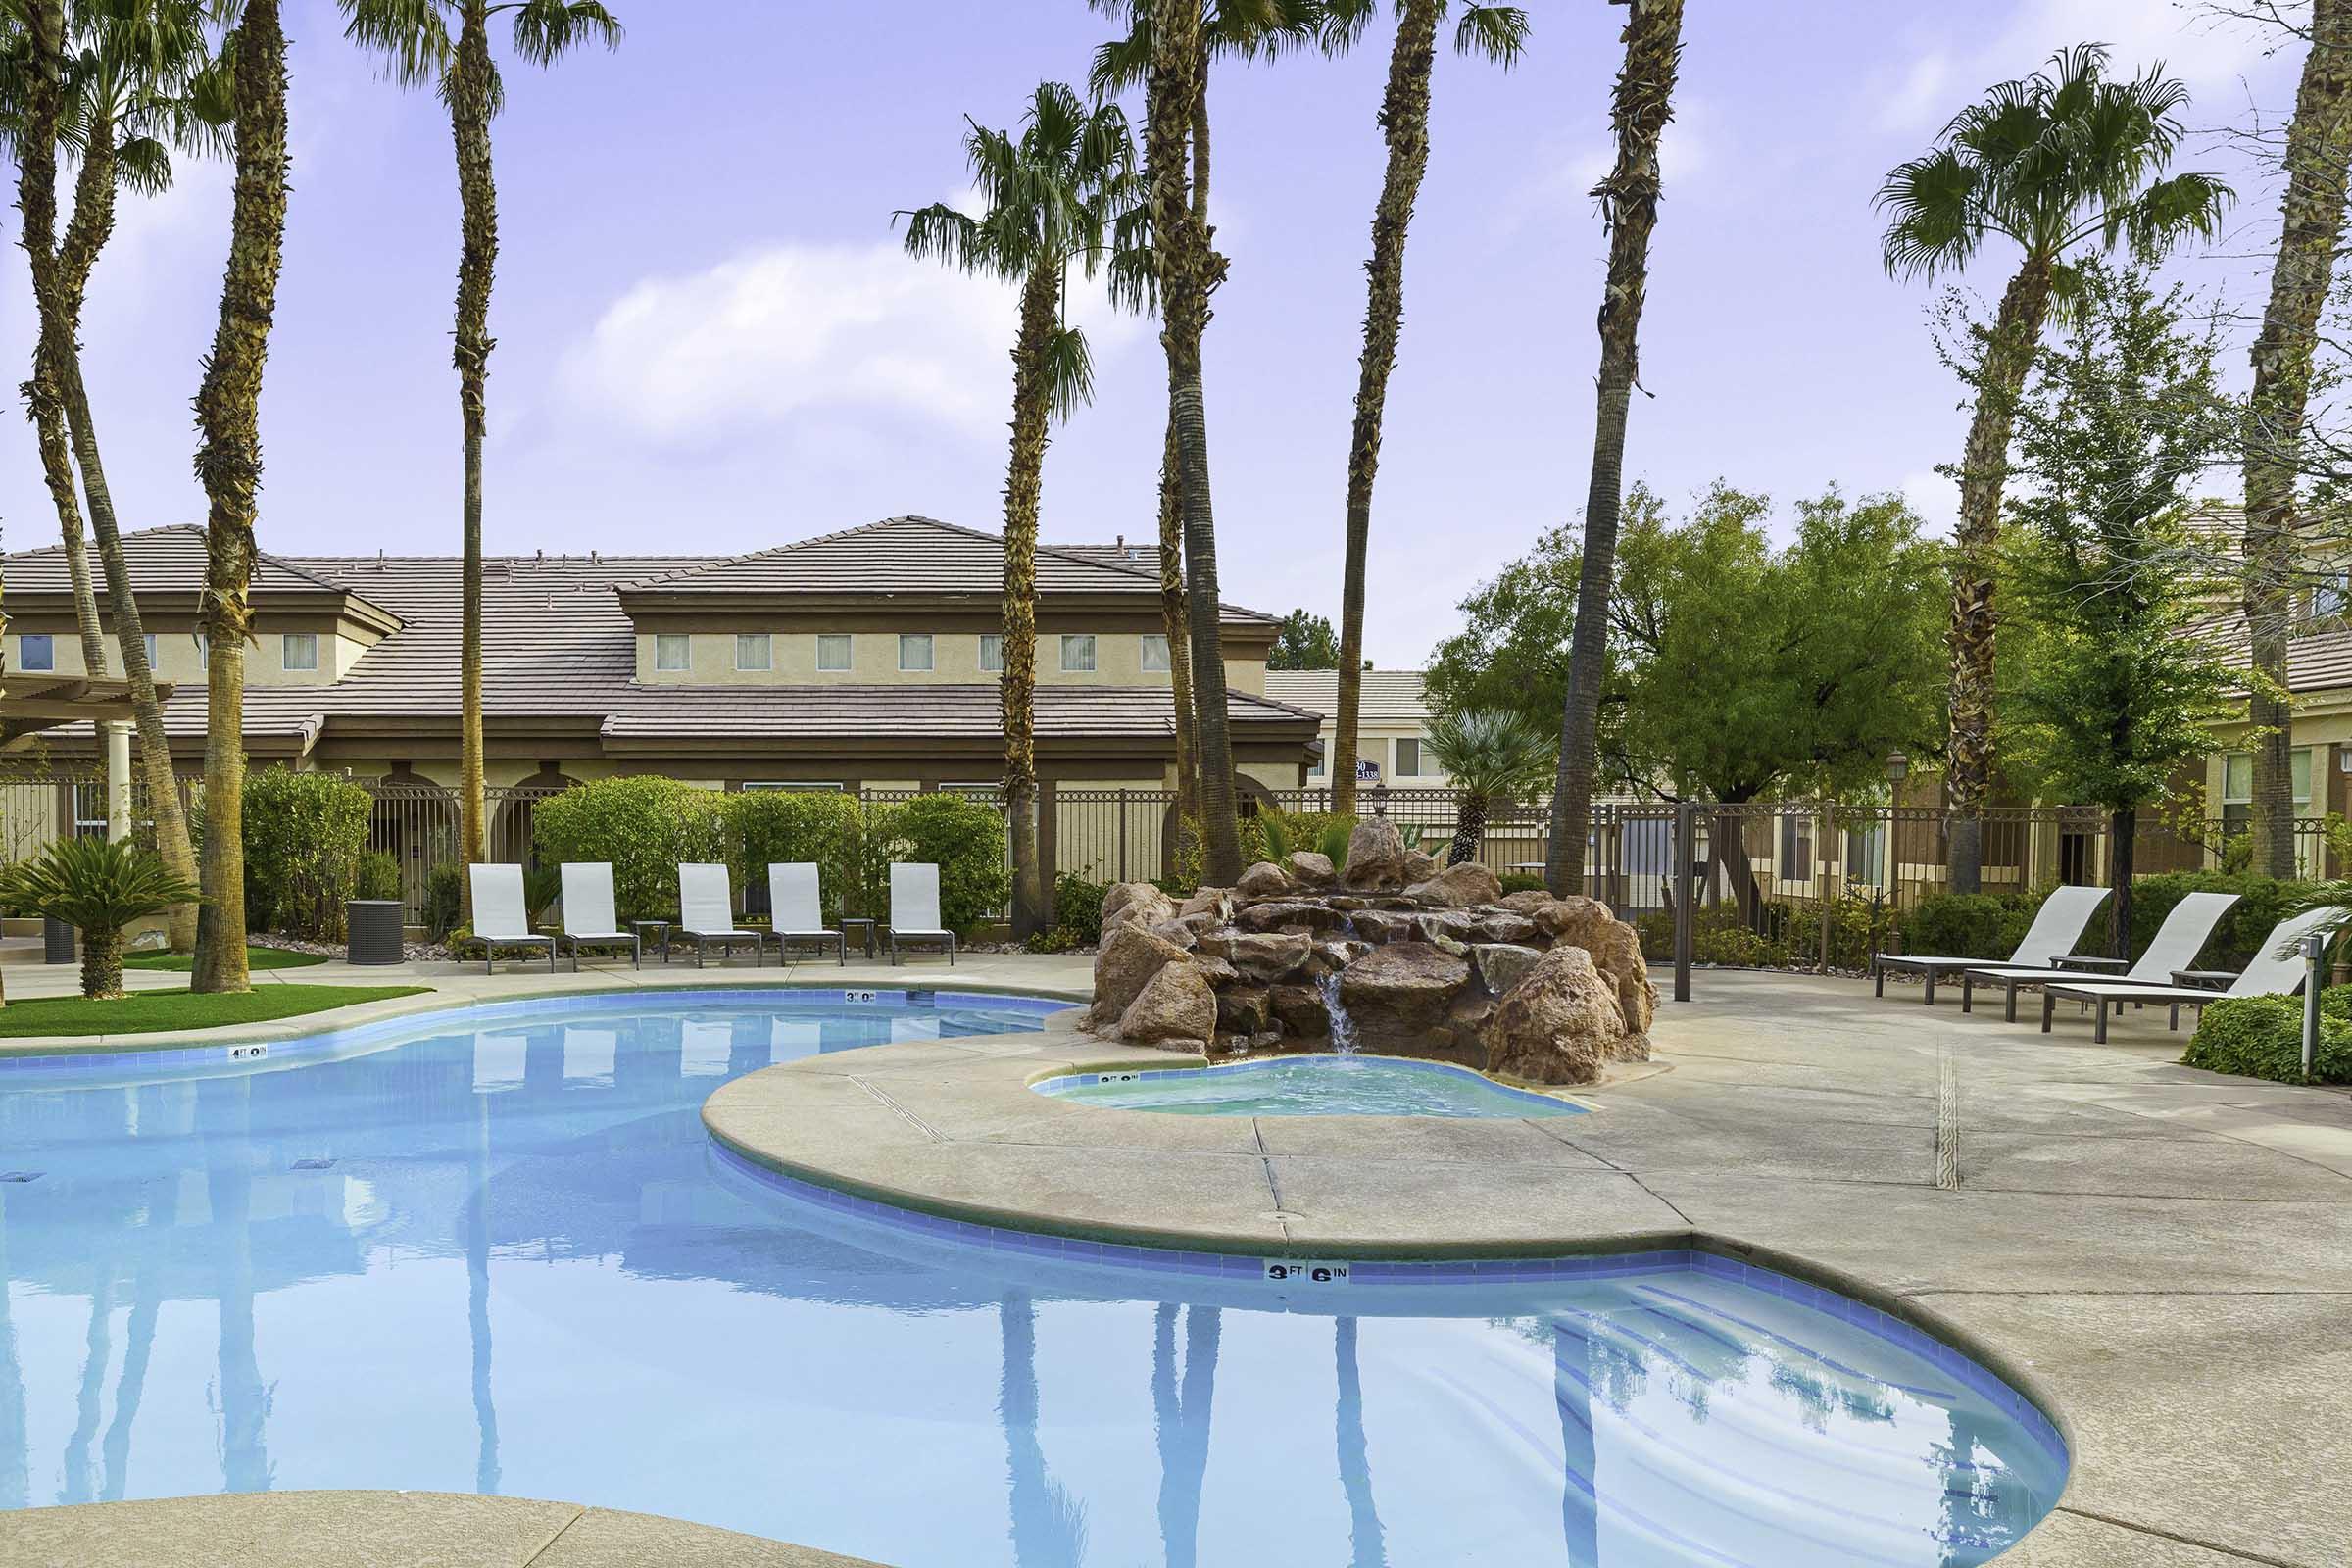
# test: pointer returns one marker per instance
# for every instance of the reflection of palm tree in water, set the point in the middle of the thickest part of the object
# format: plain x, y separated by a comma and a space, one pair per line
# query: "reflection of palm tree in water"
477, 1295
1180, 1416
1979, 1518
79, 1485
1580, 1488
146, 1303
1048, 1525
14, 1462
1355, 1463
225, 1108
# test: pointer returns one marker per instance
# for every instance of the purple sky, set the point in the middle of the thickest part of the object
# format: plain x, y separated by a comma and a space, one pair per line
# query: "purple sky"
709, 341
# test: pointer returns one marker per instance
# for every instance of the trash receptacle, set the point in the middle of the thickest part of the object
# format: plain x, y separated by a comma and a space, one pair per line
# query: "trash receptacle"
57, 940
375, 927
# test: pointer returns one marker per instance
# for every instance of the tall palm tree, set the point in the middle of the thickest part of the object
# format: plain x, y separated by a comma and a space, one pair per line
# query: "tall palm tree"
2057, 162
1051, 196
1494, 755
1638, 110
1499, 32
414, 37
2318, 144
228, 460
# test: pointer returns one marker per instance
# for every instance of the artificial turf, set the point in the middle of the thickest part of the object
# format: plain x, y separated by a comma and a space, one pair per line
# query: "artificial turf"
155, 1012
255, 958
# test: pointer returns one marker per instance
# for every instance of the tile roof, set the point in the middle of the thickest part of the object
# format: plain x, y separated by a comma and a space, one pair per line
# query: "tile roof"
1388, 696
162, 561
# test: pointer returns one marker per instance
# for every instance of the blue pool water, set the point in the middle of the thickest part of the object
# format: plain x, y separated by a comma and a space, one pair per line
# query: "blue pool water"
1309, 1086
496, 1250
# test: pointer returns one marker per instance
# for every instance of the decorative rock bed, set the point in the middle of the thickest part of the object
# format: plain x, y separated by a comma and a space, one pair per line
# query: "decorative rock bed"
1423, 959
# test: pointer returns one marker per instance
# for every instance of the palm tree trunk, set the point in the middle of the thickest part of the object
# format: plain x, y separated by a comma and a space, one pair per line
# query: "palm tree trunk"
470, 89
1967, 764
102, 962
1190, 271
1040, 302
2318, 143
1176, 618
1642, 105
229, 462
2123, 837
86, 234
1404, 127
1469, 828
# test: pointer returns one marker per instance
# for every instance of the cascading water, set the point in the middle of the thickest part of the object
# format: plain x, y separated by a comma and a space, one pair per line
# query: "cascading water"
1343, 1027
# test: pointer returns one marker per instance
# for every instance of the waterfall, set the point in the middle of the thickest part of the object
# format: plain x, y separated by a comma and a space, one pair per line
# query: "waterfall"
1343, 1027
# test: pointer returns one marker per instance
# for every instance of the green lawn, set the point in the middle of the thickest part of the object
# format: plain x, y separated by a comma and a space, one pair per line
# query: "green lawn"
255, 958
151, 1012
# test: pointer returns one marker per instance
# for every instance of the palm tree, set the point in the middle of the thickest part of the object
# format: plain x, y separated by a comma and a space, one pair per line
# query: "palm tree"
98, 886
1494, 755
2318, 143
1051, 196
1638, 110
415, 39
127, 84
2051, 164
228, 460
1499, 32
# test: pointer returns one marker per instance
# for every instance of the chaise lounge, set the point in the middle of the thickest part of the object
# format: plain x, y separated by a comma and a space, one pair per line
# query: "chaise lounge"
2276, 970
2171, 951
2057, 926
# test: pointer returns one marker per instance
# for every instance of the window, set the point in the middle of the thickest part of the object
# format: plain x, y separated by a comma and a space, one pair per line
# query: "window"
2237, 788
1078, 655
751, 786
992, 652
301, 650
914, 651
1797, 849
1408, 756
36, 650
750, 650
2331, 594
204, 649
833, 651
1155, 656
673, 650
148, 642
1314, 769
1865, 856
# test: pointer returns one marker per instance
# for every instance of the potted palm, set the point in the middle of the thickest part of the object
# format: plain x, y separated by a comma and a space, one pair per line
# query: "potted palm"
99, 887
1493, 756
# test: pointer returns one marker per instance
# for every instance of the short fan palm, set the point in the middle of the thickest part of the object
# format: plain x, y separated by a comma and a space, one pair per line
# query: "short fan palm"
98, 887
1493, 756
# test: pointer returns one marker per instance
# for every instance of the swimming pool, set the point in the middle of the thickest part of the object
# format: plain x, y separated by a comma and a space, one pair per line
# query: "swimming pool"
495, 1251
1309, 1086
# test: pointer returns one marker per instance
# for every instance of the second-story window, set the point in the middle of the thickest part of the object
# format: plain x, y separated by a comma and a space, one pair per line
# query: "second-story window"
2330, 595
204, 649
1155, 655
833, 652
1078, 655
148, 642
914, 651
1408, 756
672, 650
302, 650
750, 650
991, 653
36, 650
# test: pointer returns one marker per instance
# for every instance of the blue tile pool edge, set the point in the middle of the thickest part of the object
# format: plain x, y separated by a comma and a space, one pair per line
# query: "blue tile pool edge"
1059, 1084
2009, 1387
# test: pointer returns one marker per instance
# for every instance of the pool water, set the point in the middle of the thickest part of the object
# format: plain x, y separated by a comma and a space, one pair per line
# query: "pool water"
495, 1251
1309, 1086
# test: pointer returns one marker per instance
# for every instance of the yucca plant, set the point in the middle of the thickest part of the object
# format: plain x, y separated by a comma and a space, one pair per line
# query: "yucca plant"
98, 887
1494, 755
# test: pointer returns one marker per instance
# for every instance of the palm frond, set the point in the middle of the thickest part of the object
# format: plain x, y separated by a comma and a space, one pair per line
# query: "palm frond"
546, 30
1497, 33
939, 231
412, 37
143, 165
1068, 365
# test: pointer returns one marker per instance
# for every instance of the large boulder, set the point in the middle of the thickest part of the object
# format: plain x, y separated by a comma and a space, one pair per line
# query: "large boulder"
1310, 869
1213, 903
1386, 925
1560, 1024
1128, 959
1287, 915
1616, 950
1264, 880
1180, 932
1138, 902
1500, 926
1375, 855
1300, 1011
1176, 1009
1502, 964
1245, 1010
1459, 887
1269, 957
1420, 866
1397, 995
1526, 901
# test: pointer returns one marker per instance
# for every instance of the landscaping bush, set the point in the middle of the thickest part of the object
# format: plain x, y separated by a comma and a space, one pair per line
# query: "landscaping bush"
823, 826
98, 888
444, 899
378, 876
1521, 882
1272, 834
1078, 908
965, 838
2262, 902
1970, 925
2262, 1037
304, 836
645, 826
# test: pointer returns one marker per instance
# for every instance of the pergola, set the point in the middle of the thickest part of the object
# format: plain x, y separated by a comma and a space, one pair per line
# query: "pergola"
31, 704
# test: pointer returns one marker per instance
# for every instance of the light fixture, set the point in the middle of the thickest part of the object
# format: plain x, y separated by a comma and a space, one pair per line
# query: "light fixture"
1897, 765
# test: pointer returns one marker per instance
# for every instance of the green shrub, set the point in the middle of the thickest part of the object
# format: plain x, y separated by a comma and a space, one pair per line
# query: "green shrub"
2262, 1037
963, 836
644, 826
1522, 882
1078, 908
1272, 834
444, 894
378, 876
2262, 902
1785, 935
1060, 939
98, 887
542, 886
304, 836
823, 827
1970, 925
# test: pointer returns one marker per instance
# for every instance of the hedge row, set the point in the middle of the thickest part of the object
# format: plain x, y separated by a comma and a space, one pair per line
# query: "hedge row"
1988, 925
2262, 1037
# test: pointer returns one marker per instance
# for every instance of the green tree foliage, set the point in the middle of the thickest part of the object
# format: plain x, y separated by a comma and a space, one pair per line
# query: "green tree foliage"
1494, 755
645, 826
2262, 1037
98, 888
305, 836
963, 836
2114, 688
1304, 642
819, 826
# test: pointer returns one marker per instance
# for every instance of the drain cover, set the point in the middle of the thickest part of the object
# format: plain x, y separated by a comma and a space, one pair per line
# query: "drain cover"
20, 1175
313, 1164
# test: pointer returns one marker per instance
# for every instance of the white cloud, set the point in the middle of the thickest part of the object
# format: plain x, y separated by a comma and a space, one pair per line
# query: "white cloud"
1936, 498
2202, 50
1917, 100
1567, 171
794, 331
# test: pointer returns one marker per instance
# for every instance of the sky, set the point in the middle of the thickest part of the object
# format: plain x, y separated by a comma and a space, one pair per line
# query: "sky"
709, 339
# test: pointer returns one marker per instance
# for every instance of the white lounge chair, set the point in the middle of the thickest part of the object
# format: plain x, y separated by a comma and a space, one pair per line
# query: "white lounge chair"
914, 909
2276, 970
588, 917
795, 913
2057, 925
2172, 948
706, 913
499, 919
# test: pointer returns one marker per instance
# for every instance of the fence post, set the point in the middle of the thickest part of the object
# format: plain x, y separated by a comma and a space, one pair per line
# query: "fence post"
2315, 948
1124, 835
1685, 854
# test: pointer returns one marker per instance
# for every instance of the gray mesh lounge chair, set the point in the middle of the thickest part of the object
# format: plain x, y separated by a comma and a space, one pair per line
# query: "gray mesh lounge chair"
794, 912
2277, 970
499, 920
588, 917
2056, 927
914, 909
2172, 948
706, 913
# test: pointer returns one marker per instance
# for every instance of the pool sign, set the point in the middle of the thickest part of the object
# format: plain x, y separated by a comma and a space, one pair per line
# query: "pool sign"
1367, 772
1306, 1271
